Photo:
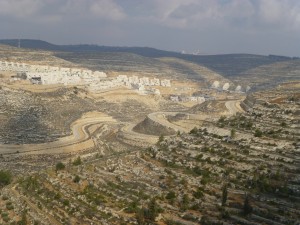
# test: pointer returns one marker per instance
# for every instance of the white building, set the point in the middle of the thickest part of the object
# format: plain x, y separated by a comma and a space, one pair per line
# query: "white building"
215, 84
165, 83
238, 88
155, 82
226, 86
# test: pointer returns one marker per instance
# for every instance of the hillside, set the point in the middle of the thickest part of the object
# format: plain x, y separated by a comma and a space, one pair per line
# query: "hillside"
271, 75
227, 64
31, 56
80, 147
231, 65
194, 70
128, 62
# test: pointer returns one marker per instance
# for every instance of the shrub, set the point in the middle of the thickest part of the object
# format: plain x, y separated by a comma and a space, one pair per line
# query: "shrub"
4, 197
199, 193
5, 178
247, 208
258, 133
76, 179
9, 206
171, 195
60, 166
77, 161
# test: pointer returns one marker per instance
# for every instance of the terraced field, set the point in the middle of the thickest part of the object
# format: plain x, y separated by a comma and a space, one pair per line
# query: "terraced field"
39, 117
269, 76
70, 156
239, 169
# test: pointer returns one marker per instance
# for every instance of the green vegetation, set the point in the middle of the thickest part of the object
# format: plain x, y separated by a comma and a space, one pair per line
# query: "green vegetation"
29, 183
258, 133
76, 179
199, 193
5, 178
9, 206
23, 220
172, 222
224, 194
93, 195
232, 133
60, 166
184, 204
132, 207
147, 215
171, 196
247, 208
77, 161
238, 121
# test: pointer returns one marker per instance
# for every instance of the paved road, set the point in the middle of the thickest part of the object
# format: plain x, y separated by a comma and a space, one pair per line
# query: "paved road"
81, 138
160, 117
78, 141
234, 107
135, 136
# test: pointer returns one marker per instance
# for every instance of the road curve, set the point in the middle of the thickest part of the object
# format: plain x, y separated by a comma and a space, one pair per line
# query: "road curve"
160, 117
128, 133
234, 107
80, 139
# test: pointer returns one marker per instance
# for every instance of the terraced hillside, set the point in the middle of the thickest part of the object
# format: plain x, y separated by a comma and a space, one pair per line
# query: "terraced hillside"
39, 117
193, 70
242, 169
38, 57
271, 75
228, 160
113, 62
123, 62
232, 65
227, 64
132, 63
245, 69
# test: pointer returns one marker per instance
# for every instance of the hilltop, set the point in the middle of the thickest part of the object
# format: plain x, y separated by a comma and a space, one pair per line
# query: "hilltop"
226, 64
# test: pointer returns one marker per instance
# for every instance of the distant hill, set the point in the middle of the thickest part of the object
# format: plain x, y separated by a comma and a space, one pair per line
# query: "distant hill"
229, 65
271, 75
39, 44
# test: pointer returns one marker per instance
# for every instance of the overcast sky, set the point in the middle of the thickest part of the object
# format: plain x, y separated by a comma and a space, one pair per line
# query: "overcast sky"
210, 26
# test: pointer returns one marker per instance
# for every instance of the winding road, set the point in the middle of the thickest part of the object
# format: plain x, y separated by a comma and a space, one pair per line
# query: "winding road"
234, 107
81, 138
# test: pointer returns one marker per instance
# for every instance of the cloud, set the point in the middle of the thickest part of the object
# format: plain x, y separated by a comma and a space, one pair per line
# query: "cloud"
107, 9
209, 25
284, 13
55, 10
241, 14
20, 8
178, 14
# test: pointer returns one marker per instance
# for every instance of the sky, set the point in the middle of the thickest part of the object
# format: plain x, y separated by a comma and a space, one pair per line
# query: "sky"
203, 26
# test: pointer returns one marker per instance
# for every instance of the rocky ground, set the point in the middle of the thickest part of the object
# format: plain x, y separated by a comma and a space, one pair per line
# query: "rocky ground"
238, 169
115, 157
